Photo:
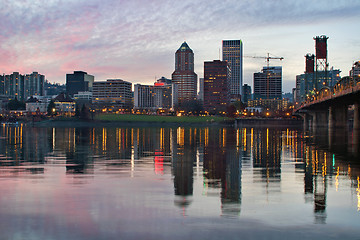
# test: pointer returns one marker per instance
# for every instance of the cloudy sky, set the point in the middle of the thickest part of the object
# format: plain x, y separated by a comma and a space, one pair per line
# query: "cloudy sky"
136, 40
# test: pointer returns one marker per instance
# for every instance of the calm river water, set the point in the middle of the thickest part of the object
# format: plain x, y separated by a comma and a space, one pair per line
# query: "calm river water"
176, 183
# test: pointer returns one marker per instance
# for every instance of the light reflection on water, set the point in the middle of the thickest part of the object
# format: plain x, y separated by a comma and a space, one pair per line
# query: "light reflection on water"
114, 183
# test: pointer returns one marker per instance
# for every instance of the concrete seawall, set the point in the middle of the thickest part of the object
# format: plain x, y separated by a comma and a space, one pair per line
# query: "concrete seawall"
267, 122
92, 124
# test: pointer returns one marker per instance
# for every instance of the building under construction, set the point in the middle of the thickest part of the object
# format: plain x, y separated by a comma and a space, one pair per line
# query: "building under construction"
268, 83
268, 89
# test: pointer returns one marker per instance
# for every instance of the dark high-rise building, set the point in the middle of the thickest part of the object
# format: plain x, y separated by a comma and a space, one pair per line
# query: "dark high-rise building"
233, 53
78, 82
246, 96
216, 85
268, 83
184, 75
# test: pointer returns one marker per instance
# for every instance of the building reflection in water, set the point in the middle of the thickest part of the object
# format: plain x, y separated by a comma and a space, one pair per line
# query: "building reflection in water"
222, 167
216, 156
183, 159
21, 146
267, 148
326, 159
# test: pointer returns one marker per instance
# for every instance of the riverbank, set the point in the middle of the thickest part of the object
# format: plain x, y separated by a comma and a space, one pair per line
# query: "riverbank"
127, 120
267, 122
116, 120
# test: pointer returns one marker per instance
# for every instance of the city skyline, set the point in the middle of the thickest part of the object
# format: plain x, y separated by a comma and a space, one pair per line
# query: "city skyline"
136, 40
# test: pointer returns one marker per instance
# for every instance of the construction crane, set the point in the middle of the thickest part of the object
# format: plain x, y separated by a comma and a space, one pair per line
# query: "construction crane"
267, 58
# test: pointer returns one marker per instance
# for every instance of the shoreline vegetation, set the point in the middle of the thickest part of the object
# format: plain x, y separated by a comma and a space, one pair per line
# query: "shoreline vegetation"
126, 120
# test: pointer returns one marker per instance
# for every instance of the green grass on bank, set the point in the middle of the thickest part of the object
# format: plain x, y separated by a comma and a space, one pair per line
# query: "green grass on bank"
154, 118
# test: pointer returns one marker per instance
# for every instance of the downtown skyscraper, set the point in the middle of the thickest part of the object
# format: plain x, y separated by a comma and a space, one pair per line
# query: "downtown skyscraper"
232, 51
216, 86
184, 75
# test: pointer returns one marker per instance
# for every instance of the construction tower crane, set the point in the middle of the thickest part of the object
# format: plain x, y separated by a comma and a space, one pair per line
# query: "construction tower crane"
267, 58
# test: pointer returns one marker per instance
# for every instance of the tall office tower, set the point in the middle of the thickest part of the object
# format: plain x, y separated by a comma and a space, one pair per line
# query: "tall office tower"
268, 83
217, 77
79, 82
184, 75
246, 96
232, 51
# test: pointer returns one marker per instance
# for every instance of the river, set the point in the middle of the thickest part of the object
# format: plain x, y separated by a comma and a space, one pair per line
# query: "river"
176, 183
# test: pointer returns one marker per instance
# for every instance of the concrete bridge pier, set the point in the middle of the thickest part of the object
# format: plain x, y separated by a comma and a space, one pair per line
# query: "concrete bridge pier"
314, 121
331, 126
356, 129
338, 117
337, 125
341, 117
306, 121
331, 119
319, 120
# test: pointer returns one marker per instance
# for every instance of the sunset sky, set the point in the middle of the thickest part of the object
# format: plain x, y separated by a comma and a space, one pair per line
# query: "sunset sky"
136, 40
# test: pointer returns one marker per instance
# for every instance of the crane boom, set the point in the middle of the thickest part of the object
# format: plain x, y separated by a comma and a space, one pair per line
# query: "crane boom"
267, 58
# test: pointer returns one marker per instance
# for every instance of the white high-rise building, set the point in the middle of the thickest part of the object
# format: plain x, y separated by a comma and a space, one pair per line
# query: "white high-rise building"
161, 95
232, 51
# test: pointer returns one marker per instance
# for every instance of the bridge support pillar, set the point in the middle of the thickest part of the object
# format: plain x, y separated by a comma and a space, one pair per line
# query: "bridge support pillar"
319, 120
356, 129
306, 119
314, 121
331, 126
342, 117
337, 125
356, 123
338, 117
331, 119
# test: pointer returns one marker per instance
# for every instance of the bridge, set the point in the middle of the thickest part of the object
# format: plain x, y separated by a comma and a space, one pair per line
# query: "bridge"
329, 108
